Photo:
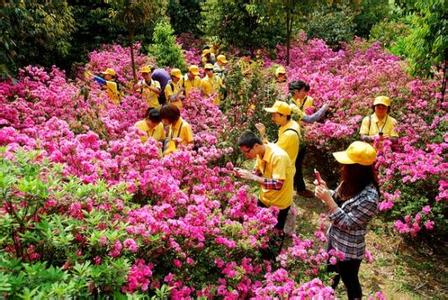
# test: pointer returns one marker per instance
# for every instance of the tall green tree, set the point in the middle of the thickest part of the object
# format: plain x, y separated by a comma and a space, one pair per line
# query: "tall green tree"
134, 16
185, 15
164, 48
239, 23
34, 32
427, 45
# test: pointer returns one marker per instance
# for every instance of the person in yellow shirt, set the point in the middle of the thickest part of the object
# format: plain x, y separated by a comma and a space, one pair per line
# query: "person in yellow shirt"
380, 123
208, 56
220, 66
151, 126
108, 81
149, 88
289, 130
299, 96
191, 80
299, 102
211, 84
273, 171
179, 130
280, 74
246, 63
174, 92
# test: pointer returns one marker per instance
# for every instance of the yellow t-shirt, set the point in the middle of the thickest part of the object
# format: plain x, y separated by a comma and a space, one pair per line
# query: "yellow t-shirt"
156, 133
189, 85
302, 105
276, 164
211, 86
171, 91
182, 130
112, 92
151, 98
289, 140
371, 126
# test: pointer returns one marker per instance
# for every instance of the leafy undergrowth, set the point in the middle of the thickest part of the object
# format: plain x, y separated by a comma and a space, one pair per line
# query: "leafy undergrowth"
399, 270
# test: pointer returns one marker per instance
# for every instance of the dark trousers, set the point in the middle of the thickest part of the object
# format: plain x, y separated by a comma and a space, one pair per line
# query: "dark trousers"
299, 183
347, 271
281, 218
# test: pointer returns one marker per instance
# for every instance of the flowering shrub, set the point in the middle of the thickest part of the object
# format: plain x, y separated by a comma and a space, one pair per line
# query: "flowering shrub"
112, 216
103, 213
412, 169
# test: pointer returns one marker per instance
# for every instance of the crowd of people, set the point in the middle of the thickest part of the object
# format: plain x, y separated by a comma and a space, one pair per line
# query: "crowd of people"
279, 163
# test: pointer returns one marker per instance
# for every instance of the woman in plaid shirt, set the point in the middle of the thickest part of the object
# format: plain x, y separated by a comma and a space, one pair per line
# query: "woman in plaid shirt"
351, 207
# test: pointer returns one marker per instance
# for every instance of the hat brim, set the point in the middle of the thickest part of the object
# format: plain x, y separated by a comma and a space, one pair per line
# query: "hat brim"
381, 103
195, 73
224, 61
270, 109
342, 157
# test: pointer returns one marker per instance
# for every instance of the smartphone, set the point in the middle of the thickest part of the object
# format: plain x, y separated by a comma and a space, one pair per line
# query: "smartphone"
317, 175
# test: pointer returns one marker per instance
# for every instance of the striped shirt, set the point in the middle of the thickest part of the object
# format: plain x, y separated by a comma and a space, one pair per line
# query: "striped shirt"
349, 223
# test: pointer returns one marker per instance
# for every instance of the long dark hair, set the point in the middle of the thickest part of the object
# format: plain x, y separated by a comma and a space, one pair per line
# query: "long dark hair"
355, 178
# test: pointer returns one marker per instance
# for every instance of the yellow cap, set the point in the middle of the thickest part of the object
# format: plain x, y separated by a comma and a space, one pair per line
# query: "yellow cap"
110, 71
208, 67
384, 100
222, 59
194, 70
357, 153
176, 73
205, 52
280, 70
280, 107
145, 69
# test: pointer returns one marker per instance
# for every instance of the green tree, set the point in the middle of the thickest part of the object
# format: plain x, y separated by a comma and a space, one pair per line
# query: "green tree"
34, 32
427, 45
240, 23
185, 15
370, 12
134, 16
334, 24
164, 48
285, 14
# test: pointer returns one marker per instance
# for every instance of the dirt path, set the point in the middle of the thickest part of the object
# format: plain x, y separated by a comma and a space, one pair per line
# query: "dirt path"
398, 270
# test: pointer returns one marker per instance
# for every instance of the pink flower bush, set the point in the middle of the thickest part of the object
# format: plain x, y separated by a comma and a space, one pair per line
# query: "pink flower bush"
183, 220
348, 80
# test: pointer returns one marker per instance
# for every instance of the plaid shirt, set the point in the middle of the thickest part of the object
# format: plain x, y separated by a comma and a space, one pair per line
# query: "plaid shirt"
349, 223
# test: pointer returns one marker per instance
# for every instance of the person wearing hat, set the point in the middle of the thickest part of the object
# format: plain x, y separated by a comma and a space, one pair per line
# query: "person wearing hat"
220, 65
174, 92
179, 130
149, 88
208, 57
151, 126
379, 124
245, 62
350, 208
107, 80
211, 84
191, 80
280, 74
289, 130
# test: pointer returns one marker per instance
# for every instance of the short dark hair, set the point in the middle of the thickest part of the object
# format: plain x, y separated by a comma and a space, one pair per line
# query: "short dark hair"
153, 114
249, 139
170, 112
245, 52
298, 85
